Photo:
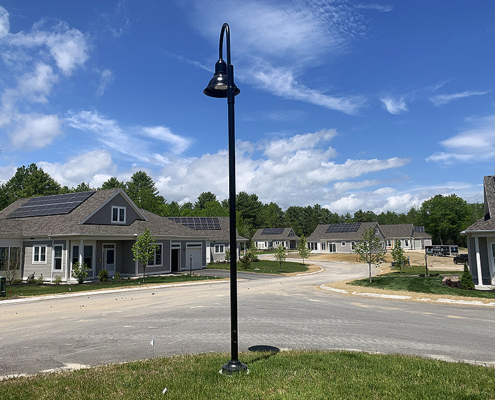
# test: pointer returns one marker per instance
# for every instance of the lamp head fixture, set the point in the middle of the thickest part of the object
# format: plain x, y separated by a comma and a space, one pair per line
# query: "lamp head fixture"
219, 83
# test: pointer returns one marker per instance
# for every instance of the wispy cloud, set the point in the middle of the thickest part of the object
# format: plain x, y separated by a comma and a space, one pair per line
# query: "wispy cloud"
275, 115
442, 99
106, 79
129, 141
377, 7
394, 106
293, 36
475, 144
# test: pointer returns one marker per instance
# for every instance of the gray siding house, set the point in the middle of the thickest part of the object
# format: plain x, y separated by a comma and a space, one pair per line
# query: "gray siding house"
340, 238
270, 238
481, 240
47, 235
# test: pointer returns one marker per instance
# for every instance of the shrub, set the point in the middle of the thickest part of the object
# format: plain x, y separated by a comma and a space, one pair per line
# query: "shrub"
245, 262
227, 255
116, 277
79, 271
103, 275
57, 279
16, 281
467, 279
39, 280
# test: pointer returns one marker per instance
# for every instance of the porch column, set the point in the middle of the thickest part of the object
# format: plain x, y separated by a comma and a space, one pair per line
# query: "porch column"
478, 261
81, 249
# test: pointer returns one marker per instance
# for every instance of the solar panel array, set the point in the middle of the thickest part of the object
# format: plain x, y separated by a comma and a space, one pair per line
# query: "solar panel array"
198, 223
50, 205
420, 229
272, 231
343, 228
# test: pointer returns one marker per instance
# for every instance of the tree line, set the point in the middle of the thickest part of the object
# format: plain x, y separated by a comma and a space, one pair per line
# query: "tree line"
443, 217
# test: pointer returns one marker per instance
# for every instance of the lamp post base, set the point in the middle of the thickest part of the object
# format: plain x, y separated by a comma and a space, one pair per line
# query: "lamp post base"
233, 367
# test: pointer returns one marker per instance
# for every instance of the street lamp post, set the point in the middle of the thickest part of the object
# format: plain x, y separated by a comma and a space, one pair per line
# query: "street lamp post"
222, 86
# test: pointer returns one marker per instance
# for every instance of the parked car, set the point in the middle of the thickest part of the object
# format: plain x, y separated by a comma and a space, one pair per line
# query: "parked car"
461, 259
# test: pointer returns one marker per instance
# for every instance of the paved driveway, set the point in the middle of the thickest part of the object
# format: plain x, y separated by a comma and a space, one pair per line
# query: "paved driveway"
284, 312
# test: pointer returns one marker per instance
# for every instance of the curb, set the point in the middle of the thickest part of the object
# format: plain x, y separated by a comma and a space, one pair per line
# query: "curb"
110, 291
399, 297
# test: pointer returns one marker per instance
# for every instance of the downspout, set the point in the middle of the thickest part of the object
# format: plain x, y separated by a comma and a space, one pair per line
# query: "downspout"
478, 261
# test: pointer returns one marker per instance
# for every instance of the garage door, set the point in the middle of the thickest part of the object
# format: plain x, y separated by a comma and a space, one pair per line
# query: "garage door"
193, 257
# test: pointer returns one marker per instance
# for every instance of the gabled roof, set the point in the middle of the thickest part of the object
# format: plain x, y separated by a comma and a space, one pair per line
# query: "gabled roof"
487, 223
321, 232
274, 234
222, 234
398, 231
71, 224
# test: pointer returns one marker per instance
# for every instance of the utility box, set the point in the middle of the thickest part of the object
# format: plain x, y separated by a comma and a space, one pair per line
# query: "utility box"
3, 286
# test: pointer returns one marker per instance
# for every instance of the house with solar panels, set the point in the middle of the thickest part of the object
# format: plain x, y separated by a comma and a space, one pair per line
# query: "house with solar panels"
47, 235
270, 238
341, 238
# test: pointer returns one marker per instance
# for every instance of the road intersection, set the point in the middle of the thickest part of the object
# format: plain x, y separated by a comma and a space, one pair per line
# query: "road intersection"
283, 312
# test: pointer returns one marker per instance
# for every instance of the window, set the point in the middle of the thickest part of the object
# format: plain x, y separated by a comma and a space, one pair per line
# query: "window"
342, 244
389, 243
118, 214
57, 257
323, 247
313, 245
352, 245
157, 258
332, 247
39, 254
219, 248
406, 243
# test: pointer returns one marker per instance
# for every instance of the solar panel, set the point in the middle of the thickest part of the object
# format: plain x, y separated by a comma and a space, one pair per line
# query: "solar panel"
50, 205
420, 229
198, 223
272, 231
343, 228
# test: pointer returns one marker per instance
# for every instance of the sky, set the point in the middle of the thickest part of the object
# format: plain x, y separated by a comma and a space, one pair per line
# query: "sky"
373, 105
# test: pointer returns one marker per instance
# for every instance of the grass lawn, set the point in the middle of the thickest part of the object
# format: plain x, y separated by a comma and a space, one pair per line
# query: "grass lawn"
24, 290
409, 281
266, 267
284, 375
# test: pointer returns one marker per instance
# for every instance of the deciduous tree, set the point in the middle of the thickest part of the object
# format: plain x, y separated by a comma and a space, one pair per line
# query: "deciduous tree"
303, 249
280, 254
144, 249
370, 250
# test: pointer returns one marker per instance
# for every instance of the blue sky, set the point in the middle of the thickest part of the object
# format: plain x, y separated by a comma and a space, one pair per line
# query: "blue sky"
349, 104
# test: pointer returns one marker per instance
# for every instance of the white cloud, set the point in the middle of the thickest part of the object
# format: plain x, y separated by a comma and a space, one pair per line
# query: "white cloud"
128, 140
178, 143
297, 173
4, 22
475, 144
86, 167
294, 36
346, 186
377, 7
35, 131
7, 172
281, 82
394, 106
106, 79
442, 99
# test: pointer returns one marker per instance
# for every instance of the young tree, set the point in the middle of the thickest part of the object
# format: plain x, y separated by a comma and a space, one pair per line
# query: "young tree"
280, 254
303, 249
370, 250
144, 249
398, 255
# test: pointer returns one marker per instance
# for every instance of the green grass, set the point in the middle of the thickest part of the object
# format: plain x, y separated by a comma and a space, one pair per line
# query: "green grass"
430, 285
286, 375
266, 267
420, 269
24, 290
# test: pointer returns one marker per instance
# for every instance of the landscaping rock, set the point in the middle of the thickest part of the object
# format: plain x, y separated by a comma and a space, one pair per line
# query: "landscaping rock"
451, 281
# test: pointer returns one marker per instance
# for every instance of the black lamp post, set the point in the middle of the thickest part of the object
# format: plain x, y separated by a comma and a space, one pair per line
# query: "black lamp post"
222, 86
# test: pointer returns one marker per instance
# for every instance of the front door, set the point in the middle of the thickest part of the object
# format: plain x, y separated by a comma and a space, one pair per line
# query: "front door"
109, 258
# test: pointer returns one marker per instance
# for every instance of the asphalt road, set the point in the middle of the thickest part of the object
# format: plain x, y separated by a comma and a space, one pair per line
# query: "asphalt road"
284, 312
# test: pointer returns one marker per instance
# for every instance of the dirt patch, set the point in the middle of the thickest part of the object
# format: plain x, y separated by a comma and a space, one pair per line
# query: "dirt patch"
416, 257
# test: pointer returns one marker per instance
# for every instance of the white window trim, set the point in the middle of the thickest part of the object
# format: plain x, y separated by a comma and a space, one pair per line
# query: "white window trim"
118, 215
46, 253
61, 257
154, 257
343, 244
219, 252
